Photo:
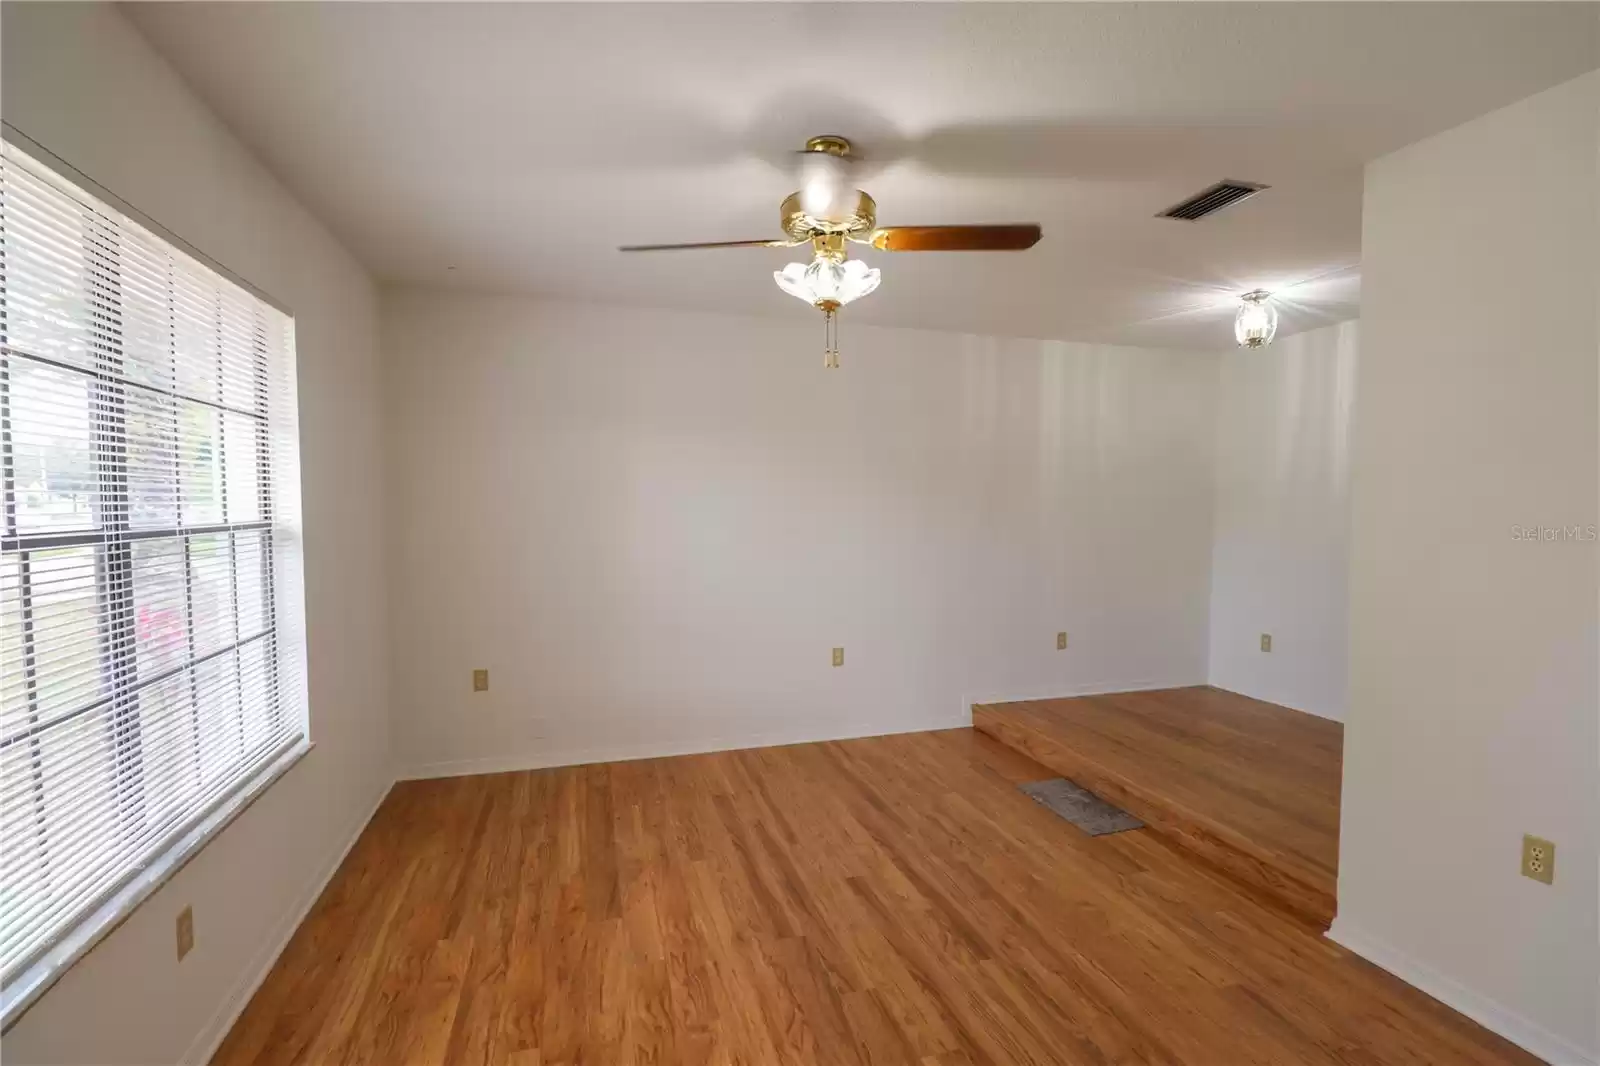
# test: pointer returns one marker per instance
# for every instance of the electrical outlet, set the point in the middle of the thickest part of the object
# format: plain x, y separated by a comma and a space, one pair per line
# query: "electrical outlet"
480, 681
838, 656
1538, 859
1266, 642
185, 932
1061, 642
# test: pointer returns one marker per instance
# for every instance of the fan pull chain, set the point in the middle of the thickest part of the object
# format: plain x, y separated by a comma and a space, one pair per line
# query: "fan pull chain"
830, 339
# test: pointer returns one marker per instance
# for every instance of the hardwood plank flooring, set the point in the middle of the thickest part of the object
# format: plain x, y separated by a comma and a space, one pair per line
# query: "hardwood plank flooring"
885, 901
1249, 786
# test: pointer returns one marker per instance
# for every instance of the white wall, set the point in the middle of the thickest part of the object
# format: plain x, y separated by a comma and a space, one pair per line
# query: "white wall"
1473, 673
652, 526
82, 82
1279, 551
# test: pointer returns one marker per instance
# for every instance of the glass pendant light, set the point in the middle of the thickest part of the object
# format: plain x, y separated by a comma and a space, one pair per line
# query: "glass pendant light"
1257, 320
827, 283
841, 281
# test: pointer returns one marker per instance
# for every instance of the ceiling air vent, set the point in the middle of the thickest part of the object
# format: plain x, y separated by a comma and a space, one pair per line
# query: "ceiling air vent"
1209, 201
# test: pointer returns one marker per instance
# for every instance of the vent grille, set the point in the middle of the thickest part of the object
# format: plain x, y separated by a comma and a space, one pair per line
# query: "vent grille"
1209, 201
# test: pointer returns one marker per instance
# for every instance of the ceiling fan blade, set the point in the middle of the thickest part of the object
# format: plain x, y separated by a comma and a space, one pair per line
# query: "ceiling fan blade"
1012, 237
707, 244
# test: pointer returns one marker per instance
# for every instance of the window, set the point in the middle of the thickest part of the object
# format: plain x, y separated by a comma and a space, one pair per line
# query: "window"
149, 559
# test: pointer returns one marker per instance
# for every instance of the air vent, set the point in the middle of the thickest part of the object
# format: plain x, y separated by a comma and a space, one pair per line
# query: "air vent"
1209, 201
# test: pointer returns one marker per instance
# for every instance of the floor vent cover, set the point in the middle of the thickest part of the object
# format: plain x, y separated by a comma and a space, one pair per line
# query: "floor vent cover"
1080, 806
1209, 201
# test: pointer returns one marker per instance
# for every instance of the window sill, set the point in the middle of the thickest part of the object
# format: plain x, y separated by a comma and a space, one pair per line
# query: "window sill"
36, 980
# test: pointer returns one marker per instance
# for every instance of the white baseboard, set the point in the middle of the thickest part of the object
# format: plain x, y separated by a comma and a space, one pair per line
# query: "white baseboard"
655, 749
1062, 692
1528, 1035
211, 1035
1293, 705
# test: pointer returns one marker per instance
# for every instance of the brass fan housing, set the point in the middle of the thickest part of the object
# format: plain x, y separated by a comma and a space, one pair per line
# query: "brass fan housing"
800, 226
829, 144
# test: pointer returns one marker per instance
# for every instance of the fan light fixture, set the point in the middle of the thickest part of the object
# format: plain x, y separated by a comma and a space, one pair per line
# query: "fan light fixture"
1257, 320
827, 283
829, 211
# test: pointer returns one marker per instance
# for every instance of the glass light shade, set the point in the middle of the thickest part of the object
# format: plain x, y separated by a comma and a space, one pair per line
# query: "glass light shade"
827, 280
1257, 320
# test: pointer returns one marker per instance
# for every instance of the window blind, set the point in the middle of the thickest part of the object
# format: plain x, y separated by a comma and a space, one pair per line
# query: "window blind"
152, 654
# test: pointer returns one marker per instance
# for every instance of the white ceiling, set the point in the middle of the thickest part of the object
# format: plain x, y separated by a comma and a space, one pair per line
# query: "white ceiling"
512, 147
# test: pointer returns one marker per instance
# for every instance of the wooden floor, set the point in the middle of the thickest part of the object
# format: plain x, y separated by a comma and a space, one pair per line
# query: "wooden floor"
1251, 787
892, 900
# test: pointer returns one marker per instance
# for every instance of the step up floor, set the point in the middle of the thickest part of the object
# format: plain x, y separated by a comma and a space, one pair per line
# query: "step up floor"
1246, 786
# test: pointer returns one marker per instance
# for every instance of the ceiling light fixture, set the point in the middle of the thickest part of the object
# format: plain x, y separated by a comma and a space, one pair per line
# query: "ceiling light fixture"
827, 212
827, 283
1257, 320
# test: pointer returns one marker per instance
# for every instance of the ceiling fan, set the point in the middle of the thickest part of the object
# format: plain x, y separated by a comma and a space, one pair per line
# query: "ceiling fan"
829, 213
